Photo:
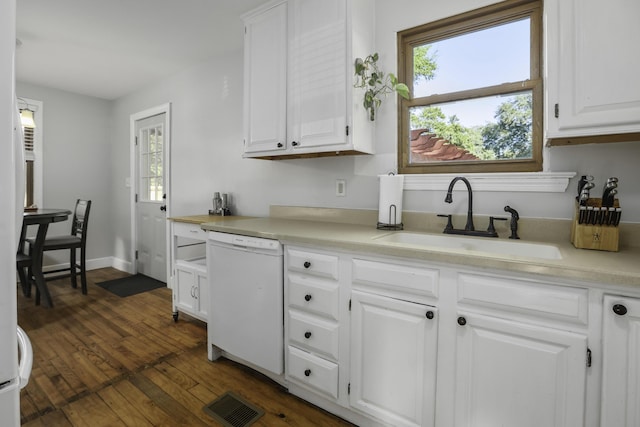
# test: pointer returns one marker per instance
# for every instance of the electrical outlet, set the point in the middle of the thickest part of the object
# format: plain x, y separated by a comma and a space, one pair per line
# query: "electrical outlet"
341, 187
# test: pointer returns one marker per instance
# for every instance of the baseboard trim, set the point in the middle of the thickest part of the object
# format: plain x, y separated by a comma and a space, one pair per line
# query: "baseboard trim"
96, 263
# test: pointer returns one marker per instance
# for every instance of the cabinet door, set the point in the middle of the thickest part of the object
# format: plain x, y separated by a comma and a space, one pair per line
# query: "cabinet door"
621, 362
393, 359
513, 374
201, 288
317, 103
265, 57
592, 67
184, 294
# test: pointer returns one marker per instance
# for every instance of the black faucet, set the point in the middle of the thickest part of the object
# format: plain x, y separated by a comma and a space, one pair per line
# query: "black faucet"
514, 221
449, 199
469, 229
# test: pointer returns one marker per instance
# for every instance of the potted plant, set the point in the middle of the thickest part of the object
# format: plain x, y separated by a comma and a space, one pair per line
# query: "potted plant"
376, 83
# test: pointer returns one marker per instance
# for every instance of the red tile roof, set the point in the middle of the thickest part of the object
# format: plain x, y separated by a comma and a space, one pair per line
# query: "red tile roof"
428, 147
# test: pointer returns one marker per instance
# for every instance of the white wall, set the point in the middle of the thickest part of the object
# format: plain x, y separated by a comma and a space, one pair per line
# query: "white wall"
76, 151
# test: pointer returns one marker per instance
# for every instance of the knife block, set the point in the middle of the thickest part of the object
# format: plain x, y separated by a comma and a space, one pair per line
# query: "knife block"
597, 237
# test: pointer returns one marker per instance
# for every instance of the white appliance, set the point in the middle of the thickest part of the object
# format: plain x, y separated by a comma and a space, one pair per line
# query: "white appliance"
246, 300
12, 375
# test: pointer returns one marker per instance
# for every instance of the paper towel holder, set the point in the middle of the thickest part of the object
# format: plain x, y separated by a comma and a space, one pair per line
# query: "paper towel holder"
394, 226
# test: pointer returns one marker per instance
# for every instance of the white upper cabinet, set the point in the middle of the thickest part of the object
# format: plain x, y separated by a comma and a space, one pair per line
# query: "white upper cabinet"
265, 80
299, 58
317, 96
592, 68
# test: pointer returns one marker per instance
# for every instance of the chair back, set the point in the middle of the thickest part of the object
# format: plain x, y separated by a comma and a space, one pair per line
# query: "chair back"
81, 219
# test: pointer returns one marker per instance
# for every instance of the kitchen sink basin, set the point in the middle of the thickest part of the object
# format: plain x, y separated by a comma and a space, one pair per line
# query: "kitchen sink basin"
464, 244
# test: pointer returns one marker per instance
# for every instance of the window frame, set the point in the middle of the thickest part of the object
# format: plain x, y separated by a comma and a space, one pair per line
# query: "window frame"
478, 19
34, 159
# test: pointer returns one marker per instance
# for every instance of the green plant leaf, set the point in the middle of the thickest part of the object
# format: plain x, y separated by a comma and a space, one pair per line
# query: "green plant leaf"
402, 90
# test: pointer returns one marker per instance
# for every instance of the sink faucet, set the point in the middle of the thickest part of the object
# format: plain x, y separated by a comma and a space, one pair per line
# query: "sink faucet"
469, 229
449, 199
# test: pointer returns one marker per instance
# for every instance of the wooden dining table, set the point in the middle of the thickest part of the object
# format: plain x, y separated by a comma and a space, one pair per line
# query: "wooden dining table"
41, 218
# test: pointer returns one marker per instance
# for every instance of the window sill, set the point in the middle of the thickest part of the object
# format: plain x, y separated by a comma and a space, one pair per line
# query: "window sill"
536, 182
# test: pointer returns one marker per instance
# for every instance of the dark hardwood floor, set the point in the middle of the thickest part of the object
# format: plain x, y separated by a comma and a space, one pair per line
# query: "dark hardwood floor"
102, 360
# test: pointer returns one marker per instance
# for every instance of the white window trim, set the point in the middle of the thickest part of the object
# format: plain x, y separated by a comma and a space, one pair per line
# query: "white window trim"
538, 182
38, 157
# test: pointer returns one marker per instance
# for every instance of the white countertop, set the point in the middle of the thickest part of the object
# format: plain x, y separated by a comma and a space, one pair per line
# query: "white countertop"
599, 267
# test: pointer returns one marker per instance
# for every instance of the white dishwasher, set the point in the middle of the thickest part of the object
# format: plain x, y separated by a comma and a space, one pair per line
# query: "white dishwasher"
246, 299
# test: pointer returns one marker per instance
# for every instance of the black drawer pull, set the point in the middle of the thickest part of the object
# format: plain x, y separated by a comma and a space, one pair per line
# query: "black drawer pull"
307, 297
620, 309
430, 314
307, 372
307, 335
462, 321
307, 264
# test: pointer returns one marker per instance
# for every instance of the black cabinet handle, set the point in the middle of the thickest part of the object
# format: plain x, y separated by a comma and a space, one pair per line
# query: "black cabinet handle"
294, 143
307, 264
163, 208
462, 321
619, 309
430, 314
307, 297
307, 372
279, 144
307, 335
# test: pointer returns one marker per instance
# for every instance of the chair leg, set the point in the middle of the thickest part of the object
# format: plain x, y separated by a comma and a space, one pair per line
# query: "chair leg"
83, 271
24, 282
72, 267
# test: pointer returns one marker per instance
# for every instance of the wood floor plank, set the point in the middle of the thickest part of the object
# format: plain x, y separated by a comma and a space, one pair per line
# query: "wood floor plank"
121, 406
147, 408
51, 419
167, 402
91, 411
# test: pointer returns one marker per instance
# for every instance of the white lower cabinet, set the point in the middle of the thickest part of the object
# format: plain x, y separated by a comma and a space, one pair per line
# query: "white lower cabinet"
621, 362
190, 293
393, 359
383, 341
515, 374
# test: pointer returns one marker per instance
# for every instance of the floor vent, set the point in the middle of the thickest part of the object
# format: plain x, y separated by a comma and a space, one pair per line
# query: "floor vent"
233, 411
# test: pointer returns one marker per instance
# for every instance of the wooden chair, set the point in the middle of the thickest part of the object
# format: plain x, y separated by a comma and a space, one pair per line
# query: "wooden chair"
76, 240
24, 262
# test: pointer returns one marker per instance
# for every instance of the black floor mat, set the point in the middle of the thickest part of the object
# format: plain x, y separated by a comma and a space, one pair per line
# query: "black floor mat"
131, 285
233, 411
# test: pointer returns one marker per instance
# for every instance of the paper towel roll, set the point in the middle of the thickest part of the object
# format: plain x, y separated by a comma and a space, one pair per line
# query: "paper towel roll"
390, 194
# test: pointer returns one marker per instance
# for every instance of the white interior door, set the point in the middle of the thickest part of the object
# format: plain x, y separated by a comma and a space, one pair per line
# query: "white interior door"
151, 218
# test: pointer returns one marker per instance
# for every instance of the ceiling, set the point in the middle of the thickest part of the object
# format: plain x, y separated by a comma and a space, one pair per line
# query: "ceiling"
109, 48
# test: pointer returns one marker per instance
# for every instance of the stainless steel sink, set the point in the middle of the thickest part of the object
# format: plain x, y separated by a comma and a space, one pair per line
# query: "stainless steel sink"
462, 244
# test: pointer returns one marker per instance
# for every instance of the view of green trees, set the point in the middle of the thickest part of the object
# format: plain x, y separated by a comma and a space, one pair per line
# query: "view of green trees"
508, 137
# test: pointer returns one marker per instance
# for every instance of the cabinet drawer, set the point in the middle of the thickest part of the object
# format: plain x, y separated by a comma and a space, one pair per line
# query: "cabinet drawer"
313, 333
391, 277
313, 371
530, 298
312, 263
193, 231
313, 295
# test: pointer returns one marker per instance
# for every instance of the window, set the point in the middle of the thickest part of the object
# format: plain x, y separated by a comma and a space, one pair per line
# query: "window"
32, 134
476, 92
151, 163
